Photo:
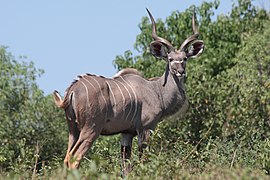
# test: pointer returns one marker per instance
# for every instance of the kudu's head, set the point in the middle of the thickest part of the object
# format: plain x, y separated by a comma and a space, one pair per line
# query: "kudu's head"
162, 48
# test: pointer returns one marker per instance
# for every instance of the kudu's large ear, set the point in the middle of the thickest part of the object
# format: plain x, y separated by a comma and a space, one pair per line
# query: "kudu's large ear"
158, 49
160, 46
195, 49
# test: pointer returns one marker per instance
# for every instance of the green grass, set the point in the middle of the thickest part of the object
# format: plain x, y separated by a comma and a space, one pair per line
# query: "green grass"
164, 159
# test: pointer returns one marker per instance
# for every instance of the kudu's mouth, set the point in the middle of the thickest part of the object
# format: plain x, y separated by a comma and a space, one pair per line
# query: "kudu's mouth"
180, 74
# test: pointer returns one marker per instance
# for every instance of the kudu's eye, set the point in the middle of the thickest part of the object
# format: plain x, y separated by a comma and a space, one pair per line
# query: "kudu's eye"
170, 59
185, 58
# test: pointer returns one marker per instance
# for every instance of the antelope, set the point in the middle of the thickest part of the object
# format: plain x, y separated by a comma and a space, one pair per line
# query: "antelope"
127, 103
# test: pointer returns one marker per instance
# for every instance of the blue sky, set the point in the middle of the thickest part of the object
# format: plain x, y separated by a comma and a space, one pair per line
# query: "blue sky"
67, 37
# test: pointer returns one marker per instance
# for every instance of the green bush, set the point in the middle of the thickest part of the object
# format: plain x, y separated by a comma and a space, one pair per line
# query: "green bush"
31, 126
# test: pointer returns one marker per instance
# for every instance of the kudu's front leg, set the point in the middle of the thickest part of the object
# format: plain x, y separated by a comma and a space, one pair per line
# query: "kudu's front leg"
143, 138
126, 146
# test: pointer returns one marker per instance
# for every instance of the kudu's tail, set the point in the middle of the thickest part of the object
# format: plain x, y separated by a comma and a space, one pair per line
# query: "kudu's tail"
65, 104
58, 99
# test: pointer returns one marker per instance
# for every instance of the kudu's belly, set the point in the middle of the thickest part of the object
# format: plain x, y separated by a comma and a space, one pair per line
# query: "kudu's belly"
114, 126
121, 121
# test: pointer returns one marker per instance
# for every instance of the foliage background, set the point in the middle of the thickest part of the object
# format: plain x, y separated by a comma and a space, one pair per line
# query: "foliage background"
224, 135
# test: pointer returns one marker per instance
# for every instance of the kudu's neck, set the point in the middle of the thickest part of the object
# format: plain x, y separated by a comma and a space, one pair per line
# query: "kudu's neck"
172, 92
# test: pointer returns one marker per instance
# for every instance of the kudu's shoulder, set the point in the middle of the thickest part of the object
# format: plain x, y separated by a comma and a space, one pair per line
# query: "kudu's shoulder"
126, 71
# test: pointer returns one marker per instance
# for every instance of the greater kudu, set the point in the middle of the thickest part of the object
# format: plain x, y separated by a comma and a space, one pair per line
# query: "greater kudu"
128, 103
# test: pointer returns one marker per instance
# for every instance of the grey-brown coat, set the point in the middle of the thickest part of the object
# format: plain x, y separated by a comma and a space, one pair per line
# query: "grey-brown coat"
128, 103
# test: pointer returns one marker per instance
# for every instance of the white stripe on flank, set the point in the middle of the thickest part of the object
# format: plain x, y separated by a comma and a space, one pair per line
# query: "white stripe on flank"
114, 101
101, 94
136, 101
124, 101
129, 96
91, 85
87, 94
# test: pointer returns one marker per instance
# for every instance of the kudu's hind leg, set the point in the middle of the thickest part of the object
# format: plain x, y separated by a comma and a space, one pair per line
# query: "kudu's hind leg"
126, 145
87, 137
72, 139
